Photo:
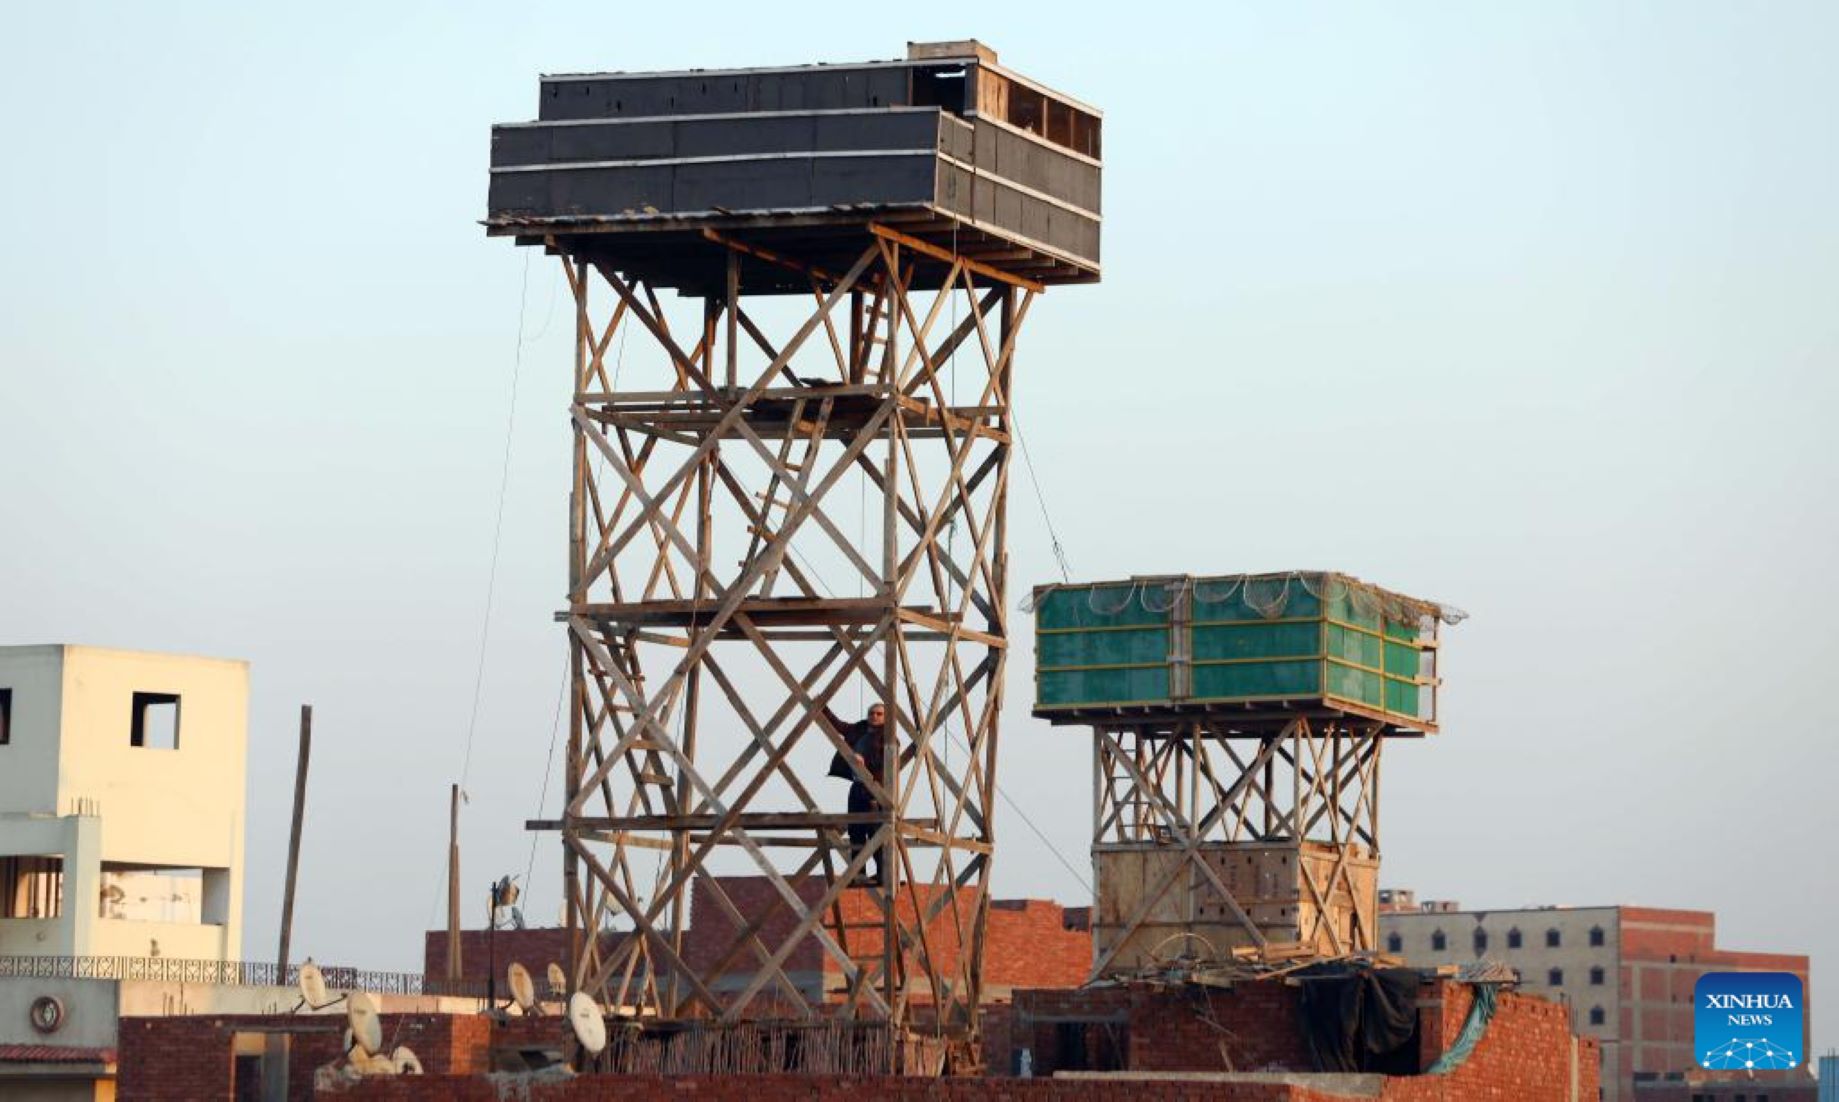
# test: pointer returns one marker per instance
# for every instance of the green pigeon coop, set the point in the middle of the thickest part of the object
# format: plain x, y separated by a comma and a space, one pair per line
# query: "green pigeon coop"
1238, 723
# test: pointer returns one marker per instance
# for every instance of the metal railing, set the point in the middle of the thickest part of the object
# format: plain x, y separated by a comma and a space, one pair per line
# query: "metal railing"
234, 973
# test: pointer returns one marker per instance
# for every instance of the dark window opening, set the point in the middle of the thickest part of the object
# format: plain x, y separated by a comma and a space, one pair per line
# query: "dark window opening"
1596, 1015
1596, 936
1514, 939
6, 716
1553, 939
246, 1085
946, 88
1438, 941
1481, 941
156, 721
1596, 977
31, 887
1555, 977
1087, 1046
1394, 943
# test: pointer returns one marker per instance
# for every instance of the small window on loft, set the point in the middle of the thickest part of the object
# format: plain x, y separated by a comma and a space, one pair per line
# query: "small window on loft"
1481, 941
946, 88
1553, 939
1514, 940
1596, 1015
156, 721
1438, 942
1596, 936
1596, 977
1394, 943
6, 716
1555, 977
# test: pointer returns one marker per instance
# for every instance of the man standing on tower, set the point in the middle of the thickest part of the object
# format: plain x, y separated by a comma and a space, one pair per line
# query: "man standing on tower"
866, 740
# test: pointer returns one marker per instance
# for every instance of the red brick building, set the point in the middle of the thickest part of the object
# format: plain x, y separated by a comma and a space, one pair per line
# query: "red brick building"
1028, 943
1627, 974
535, 948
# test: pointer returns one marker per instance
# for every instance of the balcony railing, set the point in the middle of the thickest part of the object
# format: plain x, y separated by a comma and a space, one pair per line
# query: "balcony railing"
236, 973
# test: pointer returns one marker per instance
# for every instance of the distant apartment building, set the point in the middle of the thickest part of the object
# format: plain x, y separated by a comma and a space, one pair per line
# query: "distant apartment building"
121, 803
1626, 972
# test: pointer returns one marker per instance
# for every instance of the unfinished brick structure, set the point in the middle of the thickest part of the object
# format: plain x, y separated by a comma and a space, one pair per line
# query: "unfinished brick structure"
1527, 1051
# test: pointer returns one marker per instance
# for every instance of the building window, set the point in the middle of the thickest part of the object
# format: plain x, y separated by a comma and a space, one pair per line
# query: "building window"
1555, 977
6, 716
1596, 977
1552, 939
1596, 1015
1394, 943
156, 721
1596, 936
1438, 942
31, 887
1481, 941
1513, 938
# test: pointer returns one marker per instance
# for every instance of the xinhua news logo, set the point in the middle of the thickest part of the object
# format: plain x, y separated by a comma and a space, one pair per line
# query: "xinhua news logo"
1747, 1021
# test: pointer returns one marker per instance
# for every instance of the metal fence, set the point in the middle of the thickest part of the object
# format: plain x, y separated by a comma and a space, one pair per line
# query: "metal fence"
241, 973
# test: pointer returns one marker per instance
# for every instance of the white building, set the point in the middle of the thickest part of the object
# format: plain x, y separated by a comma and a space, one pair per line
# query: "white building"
121, 803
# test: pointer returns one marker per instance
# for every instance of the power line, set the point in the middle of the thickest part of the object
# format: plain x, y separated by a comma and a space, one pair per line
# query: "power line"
1066, 575
491, 581
504, 485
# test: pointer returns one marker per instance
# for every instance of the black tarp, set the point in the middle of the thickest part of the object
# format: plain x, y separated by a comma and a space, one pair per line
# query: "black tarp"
1359, 1018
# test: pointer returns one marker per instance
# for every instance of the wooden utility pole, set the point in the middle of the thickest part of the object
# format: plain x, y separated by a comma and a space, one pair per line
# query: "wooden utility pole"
293, 839
453, 888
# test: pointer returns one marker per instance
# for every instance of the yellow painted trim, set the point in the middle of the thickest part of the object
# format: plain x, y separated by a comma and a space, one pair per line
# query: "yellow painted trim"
1255, 661
1253, 623
1112, 666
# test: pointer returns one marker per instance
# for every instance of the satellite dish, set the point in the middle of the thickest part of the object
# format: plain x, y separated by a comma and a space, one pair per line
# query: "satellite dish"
407, 1063
312, 985
584, 1018
523, 991
558, 979
366, 1028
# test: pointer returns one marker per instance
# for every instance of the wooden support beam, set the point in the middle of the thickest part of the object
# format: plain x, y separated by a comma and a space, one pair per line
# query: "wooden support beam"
926, 248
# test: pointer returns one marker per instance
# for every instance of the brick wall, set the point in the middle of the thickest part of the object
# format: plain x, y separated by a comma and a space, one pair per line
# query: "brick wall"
534, 948
192, 1058
1528, 1052
1035, 943
1028, 942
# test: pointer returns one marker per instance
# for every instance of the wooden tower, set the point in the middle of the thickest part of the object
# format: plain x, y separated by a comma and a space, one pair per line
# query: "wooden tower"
798, 294
1237, 726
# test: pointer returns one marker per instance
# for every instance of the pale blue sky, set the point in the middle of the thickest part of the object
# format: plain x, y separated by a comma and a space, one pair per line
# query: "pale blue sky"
1530, 309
